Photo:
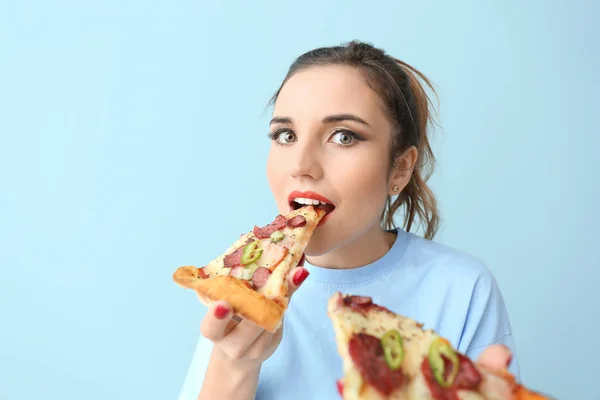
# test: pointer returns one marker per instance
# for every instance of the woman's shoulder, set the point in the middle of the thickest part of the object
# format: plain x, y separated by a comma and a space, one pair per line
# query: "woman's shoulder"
457, 295
434, 257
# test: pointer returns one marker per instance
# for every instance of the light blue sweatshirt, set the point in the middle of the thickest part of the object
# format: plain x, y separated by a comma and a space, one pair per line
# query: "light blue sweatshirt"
448, 291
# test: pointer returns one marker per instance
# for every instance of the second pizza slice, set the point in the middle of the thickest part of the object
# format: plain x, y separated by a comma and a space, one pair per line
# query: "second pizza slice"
389, 356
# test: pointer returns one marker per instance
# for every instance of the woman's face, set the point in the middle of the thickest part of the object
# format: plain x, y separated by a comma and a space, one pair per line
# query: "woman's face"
331, 142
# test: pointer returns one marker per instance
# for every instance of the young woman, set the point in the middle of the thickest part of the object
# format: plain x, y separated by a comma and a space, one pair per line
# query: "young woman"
349, 128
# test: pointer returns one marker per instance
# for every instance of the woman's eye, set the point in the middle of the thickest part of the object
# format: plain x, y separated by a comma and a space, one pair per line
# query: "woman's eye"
343, 137
286, 137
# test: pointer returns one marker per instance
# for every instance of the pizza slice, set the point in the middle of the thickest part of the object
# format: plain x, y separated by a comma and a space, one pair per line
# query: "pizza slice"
389, 356
251, 275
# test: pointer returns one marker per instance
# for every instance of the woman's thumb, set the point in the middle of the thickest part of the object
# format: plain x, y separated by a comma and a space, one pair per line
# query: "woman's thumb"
297, 276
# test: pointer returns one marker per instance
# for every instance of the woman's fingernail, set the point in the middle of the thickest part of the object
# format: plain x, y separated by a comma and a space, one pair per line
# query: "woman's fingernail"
300, 276
340, 387
509, 360
221, 311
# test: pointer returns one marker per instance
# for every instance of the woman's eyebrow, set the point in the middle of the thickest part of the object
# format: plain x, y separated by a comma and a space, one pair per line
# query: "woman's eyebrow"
327, 120
281, 120
344, 117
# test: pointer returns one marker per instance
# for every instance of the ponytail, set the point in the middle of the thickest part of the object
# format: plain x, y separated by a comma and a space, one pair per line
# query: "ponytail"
417, 197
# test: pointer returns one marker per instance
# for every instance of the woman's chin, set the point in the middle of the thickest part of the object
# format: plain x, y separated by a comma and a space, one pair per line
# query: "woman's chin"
319, 244
312, 252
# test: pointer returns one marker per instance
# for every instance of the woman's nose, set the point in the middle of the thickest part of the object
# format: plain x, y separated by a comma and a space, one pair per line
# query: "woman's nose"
305, 163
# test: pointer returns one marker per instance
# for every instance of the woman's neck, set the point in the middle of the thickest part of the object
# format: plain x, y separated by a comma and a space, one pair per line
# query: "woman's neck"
359, 252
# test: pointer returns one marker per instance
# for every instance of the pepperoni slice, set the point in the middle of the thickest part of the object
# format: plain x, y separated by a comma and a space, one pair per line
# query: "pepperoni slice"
367, 354
362, 304
260, 277
357, 300
297, 221
266, 231
234, 259
468, 378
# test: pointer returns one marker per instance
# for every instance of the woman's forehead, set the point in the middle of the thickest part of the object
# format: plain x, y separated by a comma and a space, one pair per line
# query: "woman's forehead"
326, 90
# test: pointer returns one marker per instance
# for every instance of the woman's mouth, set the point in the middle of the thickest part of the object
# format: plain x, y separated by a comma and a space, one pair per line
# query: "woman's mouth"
297, 200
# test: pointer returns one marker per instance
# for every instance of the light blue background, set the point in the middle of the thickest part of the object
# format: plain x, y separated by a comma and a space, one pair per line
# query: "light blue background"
125, 127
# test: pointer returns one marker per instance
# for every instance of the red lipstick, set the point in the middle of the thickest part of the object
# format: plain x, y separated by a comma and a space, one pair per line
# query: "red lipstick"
308, 195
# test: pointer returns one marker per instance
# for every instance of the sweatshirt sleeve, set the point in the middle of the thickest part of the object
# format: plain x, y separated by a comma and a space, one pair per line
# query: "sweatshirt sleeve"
487, 321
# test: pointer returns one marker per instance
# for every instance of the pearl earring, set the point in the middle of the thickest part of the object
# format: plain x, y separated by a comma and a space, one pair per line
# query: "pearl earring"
395, 188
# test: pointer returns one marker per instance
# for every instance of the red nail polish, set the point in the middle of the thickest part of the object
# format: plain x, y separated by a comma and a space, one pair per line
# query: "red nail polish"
221, 312
509, 360
340, 387
300, 276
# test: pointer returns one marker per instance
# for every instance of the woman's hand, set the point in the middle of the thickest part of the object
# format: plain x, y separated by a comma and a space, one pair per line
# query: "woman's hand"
495, 357
241, 341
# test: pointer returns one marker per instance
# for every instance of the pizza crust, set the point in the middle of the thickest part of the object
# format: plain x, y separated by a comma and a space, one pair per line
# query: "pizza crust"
244, 301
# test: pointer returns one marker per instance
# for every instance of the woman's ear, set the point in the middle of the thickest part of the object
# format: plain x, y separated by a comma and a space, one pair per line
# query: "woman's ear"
403, 169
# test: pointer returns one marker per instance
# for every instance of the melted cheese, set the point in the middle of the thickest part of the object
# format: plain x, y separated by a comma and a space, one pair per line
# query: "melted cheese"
347, 322
295, 239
